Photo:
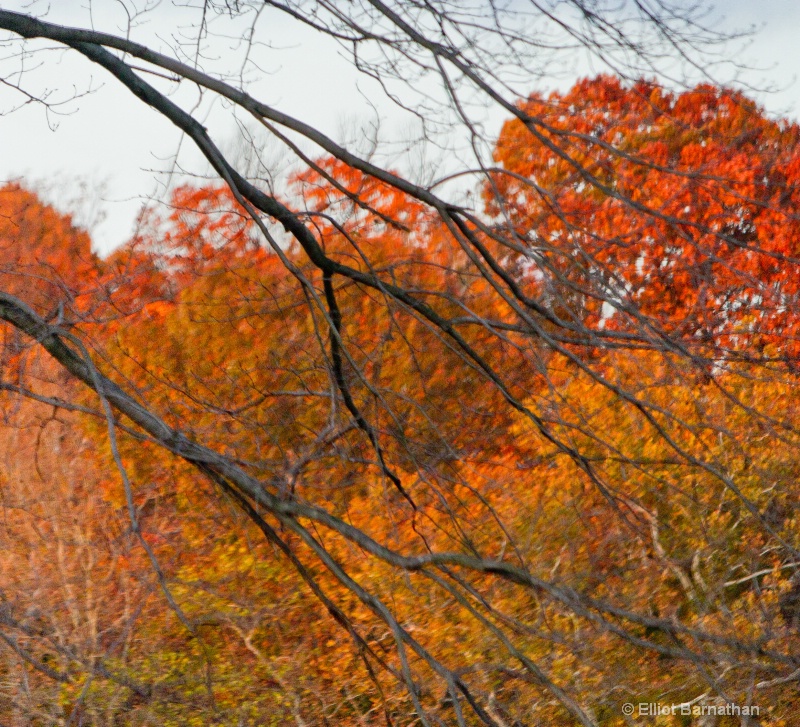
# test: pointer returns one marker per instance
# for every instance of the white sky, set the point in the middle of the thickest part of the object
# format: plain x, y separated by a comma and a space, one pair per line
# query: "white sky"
109, 138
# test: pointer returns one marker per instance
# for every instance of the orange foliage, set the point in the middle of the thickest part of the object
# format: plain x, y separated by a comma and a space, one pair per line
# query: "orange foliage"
694, 221
44, 259
230, 341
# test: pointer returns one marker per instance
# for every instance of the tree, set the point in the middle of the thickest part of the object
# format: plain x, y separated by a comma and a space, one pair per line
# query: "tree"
527, 458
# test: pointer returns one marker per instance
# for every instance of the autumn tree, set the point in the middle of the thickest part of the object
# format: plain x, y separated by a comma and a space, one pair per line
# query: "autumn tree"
393, 452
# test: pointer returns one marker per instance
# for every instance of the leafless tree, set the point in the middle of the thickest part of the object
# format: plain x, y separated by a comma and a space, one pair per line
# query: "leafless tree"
456, 66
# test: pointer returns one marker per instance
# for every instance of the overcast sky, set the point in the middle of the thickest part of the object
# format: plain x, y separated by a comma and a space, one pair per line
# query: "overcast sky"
107, 140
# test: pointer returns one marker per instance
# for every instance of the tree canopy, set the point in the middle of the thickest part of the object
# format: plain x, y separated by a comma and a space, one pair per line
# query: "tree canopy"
349, 448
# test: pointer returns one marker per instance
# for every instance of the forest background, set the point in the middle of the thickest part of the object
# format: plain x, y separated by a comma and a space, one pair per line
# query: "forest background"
338, 441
